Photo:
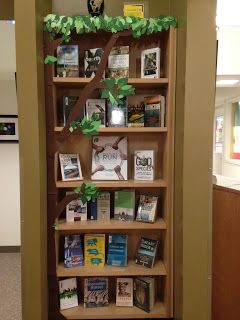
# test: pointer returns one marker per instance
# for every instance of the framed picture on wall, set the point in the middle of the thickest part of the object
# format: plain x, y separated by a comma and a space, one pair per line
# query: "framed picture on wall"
8, 128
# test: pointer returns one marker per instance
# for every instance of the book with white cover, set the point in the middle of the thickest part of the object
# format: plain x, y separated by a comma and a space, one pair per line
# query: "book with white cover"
70, 167
144, 165
124, 292
150, 63
68, 293
118, 62
97, 106
76, 210
109, 158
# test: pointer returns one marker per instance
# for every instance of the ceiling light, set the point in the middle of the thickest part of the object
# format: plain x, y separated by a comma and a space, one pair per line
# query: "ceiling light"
227, 82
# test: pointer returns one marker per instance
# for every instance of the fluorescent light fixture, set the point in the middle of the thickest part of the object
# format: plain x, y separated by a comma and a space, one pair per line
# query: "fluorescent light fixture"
10, 21
227, 82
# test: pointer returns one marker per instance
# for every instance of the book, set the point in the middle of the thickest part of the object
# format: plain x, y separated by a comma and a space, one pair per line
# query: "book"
73, 251
133, 10
144, 165
154, 115
68, 102
109, 158
94, 250
136, 114
144, 293
103, 207
117, 115
146, 252
92, 59
97, 106
76, 210
70, 167
117, 250
67, 61
93, 209
118, 62
68, 293
124, 205
150, 63
147, 208
95, 292
124, 292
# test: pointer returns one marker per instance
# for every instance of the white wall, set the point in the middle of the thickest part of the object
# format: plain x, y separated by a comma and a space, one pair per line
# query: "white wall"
9, 152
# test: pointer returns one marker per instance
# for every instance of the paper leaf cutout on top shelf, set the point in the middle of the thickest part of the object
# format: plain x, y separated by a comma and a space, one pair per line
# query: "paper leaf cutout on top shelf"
50, 59
64, 26
87, 191
88, 125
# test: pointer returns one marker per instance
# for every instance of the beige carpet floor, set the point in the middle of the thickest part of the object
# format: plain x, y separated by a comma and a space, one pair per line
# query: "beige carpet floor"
10, 286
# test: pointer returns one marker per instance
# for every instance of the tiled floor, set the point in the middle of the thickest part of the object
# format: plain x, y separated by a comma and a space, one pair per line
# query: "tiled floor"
10, 286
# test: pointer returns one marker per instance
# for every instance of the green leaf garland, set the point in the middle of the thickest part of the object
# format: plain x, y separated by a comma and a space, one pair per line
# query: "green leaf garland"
63, 26
88, 125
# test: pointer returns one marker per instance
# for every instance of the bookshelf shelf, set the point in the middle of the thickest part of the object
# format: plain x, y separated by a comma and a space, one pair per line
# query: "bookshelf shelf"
124, 130
158, 183
113, 312
132, 269
86, 226
137, 82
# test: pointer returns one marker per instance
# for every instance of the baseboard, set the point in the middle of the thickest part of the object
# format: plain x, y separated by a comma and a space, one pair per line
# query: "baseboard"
10, 249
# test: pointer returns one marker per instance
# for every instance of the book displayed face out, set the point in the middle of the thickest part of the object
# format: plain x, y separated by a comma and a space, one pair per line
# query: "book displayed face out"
109, 158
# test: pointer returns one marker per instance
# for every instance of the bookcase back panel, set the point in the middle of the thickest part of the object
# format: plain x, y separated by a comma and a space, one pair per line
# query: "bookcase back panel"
78, 144
136, 46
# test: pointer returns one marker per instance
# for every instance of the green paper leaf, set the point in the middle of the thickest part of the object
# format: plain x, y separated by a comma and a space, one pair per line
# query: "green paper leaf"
50, 59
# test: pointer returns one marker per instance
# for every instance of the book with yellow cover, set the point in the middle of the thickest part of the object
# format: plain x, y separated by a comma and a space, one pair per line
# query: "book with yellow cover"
133, 10
94, 250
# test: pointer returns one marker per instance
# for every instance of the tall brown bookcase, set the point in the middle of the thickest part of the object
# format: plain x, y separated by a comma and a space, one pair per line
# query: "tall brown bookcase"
161, 140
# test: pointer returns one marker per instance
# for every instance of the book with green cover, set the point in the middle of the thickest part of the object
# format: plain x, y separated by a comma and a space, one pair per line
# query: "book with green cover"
124, 205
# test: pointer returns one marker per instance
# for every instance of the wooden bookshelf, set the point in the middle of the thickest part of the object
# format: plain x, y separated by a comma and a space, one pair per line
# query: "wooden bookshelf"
113, 312
132, 269
158, 139
158, 183
86, 226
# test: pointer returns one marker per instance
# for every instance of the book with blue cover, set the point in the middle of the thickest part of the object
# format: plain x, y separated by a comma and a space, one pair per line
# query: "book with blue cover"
95, 292
117, 250
146, 252
73, 251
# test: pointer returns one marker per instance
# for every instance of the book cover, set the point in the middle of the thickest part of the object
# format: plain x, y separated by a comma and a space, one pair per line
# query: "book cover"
68, 102
117, 115
93, 209
68, 293
94, 250
118, 62
67, 61
146, 252
124, 205
92, 59
144, 293
144, 165
109, 158
76, 210
103, 207
97, 106
73, 251
150, 63
124, 292
136, 114
154, 115
95, 292
147, 208
70, 167
117, 250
